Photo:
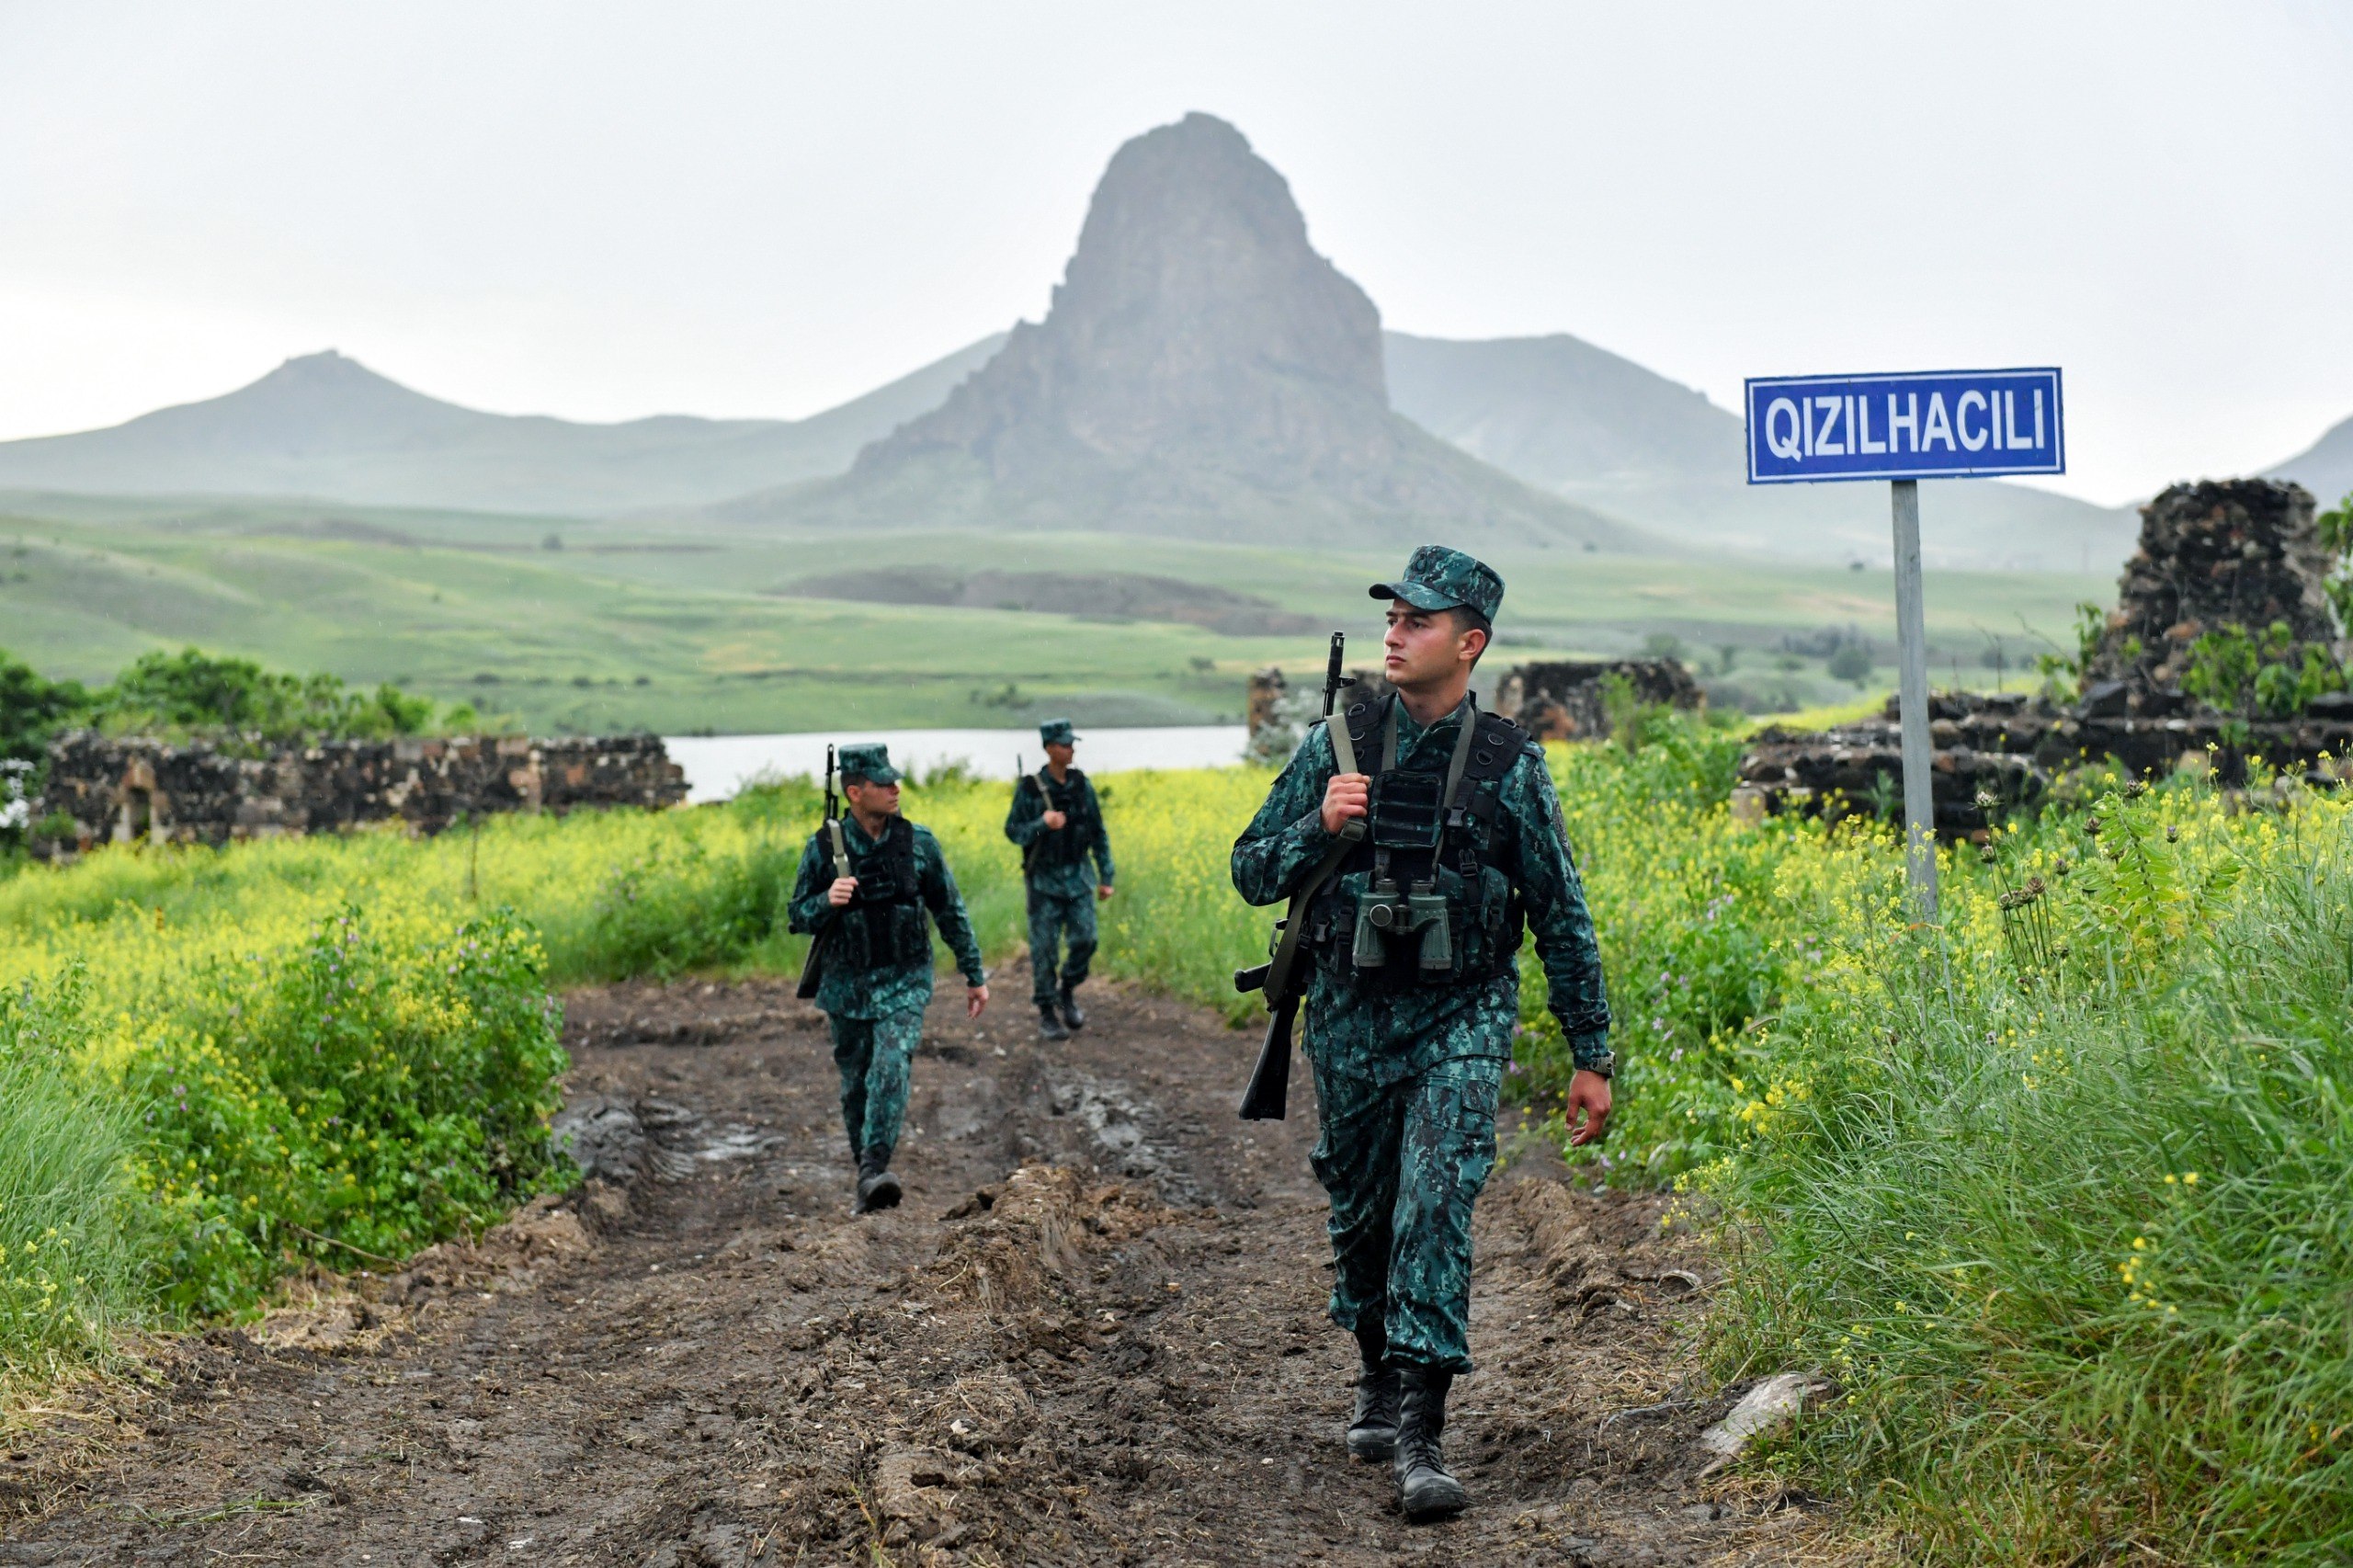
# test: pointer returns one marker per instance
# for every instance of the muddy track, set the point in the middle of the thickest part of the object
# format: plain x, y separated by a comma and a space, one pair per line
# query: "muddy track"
1092, 1335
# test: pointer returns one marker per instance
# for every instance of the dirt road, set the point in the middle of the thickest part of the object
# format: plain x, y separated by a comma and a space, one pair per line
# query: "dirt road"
1093, 1334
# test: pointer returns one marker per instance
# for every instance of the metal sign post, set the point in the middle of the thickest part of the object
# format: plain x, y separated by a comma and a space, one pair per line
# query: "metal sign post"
1905, 428
1912, 702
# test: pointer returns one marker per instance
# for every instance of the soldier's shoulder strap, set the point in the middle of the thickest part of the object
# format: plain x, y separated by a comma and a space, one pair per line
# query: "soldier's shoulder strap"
1363, 720
1496, 745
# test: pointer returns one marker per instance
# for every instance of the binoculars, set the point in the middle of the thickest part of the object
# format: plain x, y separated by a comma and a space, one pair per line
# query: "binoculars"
1382, 912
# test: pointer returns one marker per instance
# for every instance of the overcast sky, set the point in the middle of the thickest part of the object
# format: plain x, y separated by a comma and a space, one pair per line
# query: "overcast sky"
605, 211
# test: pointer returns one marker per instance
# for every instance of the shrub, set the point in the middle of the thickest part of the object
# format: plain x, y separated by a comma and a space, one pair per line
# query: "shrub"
380, 1086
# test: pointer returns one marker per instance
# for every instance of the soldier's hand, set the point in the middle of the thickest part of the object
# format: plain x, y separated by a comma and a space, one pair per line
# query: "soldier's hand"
1103, 891
1588, 1097
975, 998
1348, 795
1054, 820
842, 891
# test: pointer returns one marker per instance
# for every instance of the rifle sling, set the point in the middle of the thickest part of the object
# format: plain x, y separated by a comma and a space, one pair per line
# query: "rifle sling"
1287, 951
1343, 746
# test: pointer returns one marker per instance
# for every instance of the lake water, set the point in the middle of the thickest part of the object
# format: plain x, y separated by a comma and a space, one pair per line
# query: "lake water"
717, 765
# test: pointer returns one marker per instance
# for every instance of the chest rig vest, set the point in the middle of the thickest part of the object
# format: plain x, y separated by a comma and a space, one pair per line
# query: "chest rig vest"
885, 915
1419, 902
1050, 851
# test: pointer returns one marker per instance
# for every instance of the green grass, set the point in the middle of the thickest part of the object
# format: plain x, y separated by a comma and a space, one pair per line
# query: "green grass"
2060, 1193
71, 1225
644, 624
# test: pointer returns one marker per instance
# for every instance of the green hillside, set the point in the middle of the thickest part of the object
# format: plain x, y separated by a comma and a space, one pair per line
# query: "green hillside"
327, 425
630, 625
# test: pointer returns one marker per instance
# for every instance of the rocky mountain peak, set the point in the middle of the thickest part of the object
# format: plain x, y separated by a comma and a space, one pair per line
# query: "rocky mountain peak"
1194, 314
1201, 372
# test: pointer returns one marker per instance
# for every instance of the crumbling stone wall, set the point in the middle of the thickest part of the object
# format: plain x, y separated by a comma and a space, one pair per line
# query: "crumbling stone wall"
2216, 553
1278, 715
115, 790
1565, 700
2012, 747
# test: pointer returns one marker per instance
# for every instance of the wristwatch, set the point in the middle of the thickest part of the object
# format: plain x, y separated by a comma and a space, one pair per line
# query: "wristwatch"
1605, 1065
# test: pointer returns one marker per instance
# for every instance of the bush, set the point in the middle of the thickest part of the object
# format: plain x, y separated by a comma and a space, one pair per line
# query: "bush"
380, 1086
32, 709
2237, 674
196, 693
1683, 900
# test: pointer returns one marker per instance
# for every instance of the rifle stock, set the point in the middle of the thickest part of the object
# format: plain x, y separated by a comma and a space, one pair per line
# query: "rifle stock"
1267, 1097
813, 968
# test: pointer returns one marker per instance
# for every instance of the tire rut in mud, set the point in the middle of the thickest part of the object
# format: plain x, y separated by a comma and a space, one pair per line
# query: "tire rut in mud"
1092, 1333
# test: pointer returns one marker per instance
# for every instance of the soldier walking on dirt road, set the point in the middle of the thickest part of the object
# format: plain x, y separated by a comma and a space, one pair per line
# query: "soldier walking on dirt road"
876, 952
1058, 822
1413, 995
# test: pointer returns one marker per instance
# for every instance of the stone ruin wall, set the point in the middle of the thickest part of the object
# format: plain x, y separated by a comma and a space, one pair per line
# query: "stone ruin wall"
1568, 701
2214, 553
124, 789
2220, 552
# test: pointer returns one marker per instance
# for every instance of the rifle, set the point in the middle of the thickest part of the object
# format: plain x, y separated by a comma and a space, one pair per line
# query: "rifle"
1045, 802
1268, 1094
813, 968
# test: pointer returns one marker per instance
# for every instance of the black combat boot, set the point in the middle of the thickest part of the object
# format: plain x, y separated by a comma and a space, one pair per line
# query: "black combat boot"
1073, 1015
1425, 1489
1050, 1023
1372, 1431
877, 1188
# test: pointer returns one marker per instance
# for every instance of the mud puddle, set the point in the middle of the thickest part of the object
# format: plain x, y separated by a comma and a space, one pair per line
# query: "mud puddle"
1093, 1334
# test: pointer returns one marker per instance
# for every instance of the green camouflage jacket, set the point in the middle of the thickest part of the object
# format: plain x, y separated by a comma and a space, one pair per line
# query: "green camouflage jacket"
847, 988
1388, 1035
1064, 873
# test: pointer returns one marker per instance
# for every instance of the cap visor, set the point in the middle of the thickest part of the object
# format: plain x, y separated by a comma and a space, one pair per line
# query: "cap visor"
1419, 595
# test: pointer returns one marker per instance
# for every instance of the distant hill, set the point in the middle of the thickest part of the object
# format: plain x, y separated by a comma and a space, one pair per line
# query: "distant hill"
327, 427
2324, 467
1599, 429
1202, 373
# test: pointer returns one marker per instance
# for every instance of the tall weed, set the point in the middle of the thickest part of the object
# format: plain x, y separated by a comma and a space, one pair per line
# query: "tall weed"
2075, 1241
71, 1225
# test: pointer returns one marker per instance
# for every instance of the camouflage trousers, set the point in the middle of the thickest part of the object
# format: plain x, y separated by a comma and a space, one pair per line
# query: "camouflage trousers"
1053, 918
874, 1056
1404, 1162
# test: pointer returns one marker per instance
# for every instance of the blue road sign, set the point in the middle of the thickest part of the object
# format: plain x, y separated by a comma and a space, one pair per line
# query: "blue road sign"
1935, 424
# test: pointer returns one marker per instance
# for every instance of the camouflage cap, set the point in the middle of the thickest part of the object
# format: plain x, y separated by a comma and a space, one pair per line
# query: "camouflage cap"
870, 762
1057, 733
1439, 578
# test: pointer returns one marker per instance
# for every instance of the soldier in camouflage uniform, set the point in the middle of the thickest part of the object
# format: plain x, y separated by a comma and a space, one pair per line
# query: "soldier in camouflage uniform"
1058, 822
1409, 1028
877, 956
